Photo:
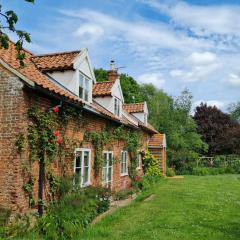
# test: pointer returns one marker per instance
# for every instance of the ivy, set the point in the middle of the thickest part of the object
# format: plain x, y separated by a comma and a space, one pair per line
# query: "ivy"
20, 142
101, 139
28, 188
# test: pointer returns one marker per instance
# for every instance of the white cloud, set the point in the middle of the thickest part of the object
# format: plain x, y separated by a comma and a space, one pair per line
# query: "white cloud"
201, 19
199, 67
89, 32
154, 78
234, 79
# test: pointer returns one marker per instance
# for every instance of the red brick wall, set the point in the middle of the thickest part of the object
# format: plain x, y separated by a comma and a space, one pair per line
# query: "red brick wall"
15, 99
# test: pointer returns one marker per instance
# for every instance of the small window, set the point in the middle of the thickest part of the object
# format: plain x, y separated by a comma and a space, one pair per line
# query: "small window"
117, 106
107, 168
139, 161
82, 167
84, 87
124, 159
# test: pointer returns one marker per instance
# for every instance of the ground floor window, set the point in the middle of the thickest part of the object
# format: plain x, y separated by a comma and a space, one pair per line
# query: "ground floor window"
107, 167
139, 160
124, 162
82, 167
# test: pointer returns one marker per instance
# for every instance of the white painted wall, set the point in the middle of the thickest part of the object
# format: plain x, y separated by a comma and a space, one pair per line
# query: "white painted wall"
67, 79
140, 115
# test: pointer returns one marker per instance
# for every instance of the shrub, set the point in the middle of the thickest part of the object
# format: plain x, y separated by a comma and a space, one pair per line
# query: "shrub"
151, 165
170, 172
123, 194
148, 181
73, 213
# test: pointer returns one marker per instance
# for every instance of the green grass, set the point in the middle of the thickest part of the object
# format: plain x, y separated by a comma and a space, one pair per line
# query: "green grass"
190, 208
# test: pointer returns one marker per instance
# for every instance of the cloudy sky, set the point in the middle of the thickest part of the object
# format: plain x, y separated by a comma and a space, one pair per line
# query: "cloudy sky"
172, 44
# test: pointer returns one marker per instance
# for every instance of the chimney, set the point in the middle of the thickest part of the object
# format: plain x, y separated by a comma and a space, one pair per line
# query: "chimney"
113, 72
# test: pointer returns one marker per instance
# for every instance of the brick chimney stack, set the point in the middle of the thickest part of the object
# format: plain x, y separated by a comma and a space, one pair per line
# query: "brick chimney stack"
113, 72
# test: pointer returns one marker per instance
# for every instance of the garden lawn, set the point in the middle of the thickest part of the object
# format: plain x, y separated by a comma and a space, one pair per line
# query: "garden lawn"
200, 208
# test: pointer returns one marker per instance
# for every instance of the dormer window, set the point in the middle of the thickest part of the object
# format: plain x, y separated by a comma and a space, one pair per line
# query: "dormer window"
84, 87
117, 106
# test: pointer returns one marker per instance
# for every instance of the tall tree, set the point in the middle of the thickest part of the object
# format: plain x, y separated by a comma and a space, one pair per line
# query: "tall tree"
213, 125
8, 21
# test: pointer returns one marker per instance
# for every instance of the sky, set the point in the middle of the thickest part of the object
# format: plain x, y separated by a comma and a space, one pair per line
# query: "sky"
172, 44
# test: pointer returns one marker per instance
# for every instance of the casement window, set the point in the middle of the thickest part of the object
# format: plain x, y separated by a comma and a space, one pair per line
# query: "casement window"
107, 167
82, 167
139, 160
117, 106
124, 163
84, 87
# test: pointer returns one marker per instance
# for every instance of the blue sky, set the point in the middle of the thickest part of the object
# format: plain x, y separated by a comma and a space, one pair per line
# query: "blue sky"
172, 44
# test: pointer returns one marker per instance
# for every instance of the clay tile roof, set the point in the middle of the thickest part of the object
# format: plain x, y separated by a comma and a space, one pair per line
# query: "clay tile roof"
147, 127
156, 140
31, 72
134, 107
55, 61
102, 89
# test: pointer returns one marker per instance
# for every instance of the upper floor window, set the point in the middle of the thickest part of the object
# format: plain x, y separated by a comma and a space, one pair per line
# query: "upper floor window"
82, 167
117, 106
84, 87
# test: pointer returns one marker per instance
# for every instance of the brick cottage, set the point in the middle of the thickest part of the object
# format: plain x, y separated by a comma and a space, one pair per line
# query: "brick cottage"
67, 79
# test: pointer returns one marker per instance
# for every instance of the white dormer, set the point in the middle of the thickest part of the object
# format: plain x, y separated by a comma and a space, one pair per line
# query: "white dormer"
111, 97
72, 70
138, 110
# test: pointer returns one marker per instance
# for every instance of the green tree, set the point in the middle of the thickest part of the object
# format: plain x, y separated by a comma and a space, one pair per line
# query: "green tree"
8, 21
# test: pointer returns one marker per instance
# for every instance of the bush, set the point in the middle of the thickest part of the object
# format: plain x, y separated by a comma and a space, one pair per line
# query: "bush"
73, 213
203, 171
123, 194
170, 172
148, 181
151, 165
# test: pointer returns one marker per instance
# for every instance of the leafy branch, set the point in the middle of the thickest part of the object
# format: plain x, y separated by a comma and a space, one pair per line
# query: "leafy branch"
8, 21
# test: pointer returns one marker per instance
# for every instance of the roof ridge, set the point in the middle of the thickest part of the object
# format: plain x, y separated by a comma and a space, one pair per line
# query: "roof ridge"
133, 103
56, 53
105, 82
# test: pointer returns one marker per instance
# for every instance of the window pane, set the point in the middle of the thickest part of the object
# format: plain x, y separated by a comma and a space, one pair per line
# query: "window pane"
86, 95
77, 177
87, 84
109, 174
80, 92
86, 158
85, 175
81, 80
78, 160
105, 159
110, 159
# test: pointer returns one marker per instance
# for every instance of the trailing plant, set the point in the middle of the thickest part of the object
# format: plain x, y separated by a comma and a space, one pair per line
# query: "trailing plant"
54, 184
28, 188
20, 142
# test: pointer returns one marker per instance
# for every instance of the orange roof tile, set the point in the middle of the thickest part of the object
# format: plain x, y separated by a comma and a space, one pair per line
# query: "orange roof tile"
31, 72
134, 107
102, 89
55, 61
156, 140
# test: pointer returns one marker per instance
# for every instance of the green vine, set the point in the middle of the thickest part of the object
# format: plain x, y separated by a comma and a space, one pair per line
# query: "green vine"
28, 188
20, 142
101, 139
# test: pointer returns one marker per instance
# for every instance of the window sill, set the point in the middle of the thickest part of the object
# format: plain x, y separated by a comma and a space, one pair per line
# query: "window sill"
123, 174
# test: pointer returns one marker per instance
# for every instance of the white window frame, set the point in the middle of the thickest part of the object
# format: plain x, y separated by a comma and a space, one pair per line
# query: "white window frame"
139, 161
124, 161
85, 79
108, 182
82, 151
117, 106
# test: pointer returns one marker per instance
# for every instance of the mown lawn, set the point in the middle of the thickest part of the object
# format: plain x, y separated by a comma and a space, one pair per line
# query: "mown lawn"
191, 208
